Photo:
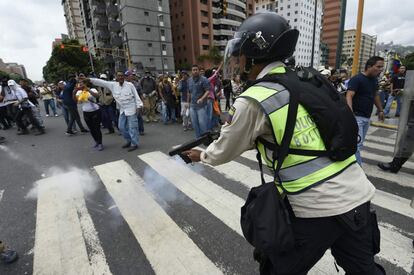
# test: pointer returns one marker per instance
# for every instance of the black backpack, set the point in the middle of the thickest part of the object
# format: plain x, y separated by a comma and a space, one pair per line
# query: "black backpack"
333, 117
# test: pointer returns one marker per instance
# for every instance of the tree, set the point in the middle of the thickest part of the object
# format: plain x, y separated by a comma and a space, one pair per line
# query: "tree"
68, 58
15, 77
408, 61
213, 55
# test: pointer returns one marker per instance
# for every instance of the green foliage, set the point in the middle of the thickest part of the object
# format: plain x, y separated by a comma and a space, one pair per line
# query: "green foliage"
69, 60
213, 55
408, 61
184, 66
15, 77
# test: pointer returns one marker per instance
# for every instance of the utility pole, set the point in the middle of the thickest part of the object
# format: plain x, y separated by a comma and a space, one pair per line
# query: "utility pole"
314, 31
355, 63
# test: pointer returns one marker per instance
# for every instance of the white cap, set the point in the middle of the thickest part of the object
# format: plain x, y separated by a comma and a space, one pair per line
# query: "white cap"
326, 72
104, 76
62, 82
11, 82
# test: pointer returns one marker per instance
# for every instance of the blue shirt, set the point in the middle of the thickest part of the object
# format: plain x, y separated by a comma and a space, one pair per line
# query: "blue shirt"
197, 87
67, 94
183, 89
365, 89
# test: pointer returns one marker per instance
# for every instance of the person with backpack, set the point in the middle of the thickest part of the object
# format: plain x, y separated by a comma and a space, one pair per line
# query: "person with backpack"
320, 197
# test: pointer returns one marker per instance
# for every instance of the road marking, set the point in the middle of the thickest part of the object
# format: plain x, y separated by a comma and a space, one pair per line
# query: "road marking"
400, 178
394, 203
378, 146
167, 247
208, 194
217, 200
396, 248
64, 229
380, 158
1, 194
385, 140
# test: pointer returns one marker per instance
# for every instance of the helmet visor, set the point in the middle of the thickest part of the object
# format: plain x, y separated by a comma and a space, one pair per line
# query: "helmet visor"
231, 63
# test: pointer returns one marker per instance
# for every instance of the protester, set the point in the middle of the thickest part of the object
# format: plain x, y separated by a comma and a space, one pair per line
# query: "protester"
129, 104
8, 100
228, 90
87, 97
397, 88
385, 89
132, 77
48, 98
149, 94
24, 108
106, 101
362, 95
199, 88
168, 101
70, 104
33, 97
237, 87
213, 79
185, 100
5, 121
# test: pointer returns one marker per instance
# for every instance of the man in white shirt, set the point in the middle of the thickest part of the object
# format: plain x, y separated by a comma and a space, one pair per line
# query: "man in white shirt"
129, 103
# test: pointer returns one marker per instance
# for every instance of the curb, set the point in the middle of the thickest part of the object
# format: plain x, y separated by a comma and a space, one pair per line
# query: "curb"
384, 125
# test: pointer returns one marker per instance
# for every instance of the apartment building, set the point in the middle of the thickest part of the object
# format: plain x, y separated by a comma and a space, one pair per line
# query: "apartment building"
367, 47
198, 26
73, 18
300, 15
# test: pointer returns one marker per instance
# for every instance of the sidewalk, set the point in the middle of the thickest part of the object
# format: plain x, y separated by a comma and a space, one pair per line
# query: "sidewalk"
388, 123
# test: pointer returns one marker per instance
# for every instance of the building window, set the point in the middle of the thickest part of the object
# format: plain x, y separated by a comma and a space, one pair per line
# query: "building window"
206, 47
162, 32
149, 45
146, 13
164, 47
204, 13
148, 29
151, 60
205, 36
204, 24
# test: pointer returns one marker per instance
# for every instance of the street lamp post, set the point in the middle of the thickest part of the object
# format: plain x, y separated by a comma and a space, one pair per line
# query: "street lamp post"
159, 35
314, 31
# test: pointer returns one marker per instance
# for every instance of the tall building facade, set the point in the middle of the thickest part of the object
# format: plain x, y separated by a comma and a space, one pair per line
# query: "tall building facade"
198, 26
146, 32
367, 47
300, 15
13, 68
332, 30
73, 18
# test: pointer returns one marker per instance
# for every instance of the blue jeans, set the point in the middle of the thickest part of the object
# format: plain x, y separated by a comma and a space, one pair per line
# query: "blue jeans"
363, 125
210, 113
167, 113
140, 124
199, 119
389, 103
128, 125
108, 117
51, 103
383, 97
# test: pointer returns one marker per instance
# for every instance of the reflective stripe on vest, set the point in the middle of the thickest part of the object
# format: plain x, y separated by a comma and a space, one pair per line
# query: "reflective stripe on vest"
298, 173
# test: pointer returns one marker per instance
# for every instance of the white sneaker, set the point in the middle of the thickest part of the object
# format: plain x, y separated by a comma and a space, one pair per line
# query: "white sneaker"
47, 115
56, 115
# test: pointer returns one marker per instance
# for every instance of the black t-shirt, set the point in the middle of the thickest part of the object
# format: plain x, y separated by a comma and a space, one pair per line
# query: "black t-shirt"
365, 89
398, 81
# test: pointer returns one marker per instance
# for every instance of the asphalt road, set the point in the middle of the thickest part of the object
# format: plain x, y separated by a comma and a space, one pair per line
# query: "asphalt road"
117, 241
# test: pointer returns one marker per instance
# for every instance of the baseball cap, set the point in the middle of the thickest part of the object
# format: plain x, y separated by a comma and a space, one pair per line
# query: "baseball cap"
104, 76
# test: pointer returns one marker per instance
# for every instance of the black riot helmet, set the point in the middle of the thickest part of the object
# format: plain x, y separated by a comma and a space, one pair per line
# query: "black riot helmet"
260, 38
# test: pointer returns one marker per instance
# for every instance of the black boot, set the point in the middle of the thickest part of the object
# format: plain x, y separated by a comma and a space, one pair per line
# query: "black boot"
394, 166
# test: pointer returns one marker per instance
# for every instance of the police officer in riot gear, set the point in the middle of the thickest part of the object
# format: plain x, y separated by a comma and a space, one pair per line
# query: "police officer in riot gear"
328, 201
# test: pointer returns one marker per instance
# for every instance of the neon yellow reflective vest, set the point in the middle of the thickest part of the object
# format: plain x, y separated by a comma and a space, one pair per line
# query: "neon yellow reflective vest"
298, 173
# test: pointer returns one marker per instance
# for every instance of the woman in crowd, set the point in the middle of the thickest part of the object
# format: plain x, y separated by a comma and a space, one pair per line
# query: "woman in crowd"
87, 96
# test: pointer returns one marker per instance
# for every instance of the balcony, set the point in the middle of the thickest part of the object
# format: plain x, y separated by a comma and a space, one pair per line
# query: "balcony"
99, 10
112, 11
116, 40
102, 35
114, 26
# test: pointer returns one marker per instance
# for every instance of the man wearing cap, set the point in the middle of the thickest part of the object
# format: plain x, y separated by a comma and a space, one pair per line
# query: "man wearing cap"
129, 104
149, 94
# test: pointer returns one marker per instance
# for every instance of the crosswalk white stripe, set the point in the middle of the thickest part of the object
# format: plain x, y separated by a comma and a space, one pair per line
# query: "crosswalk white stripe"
188, 181
380, 158
63, 226
1, 194
400, 178
217, 200
399, 245
373, 145
167, 247
394, 203
385, 140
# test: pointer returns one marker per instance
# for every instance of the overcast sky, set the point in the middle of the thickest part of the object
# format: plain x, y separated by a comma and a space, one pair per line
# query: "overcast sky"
28, 27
